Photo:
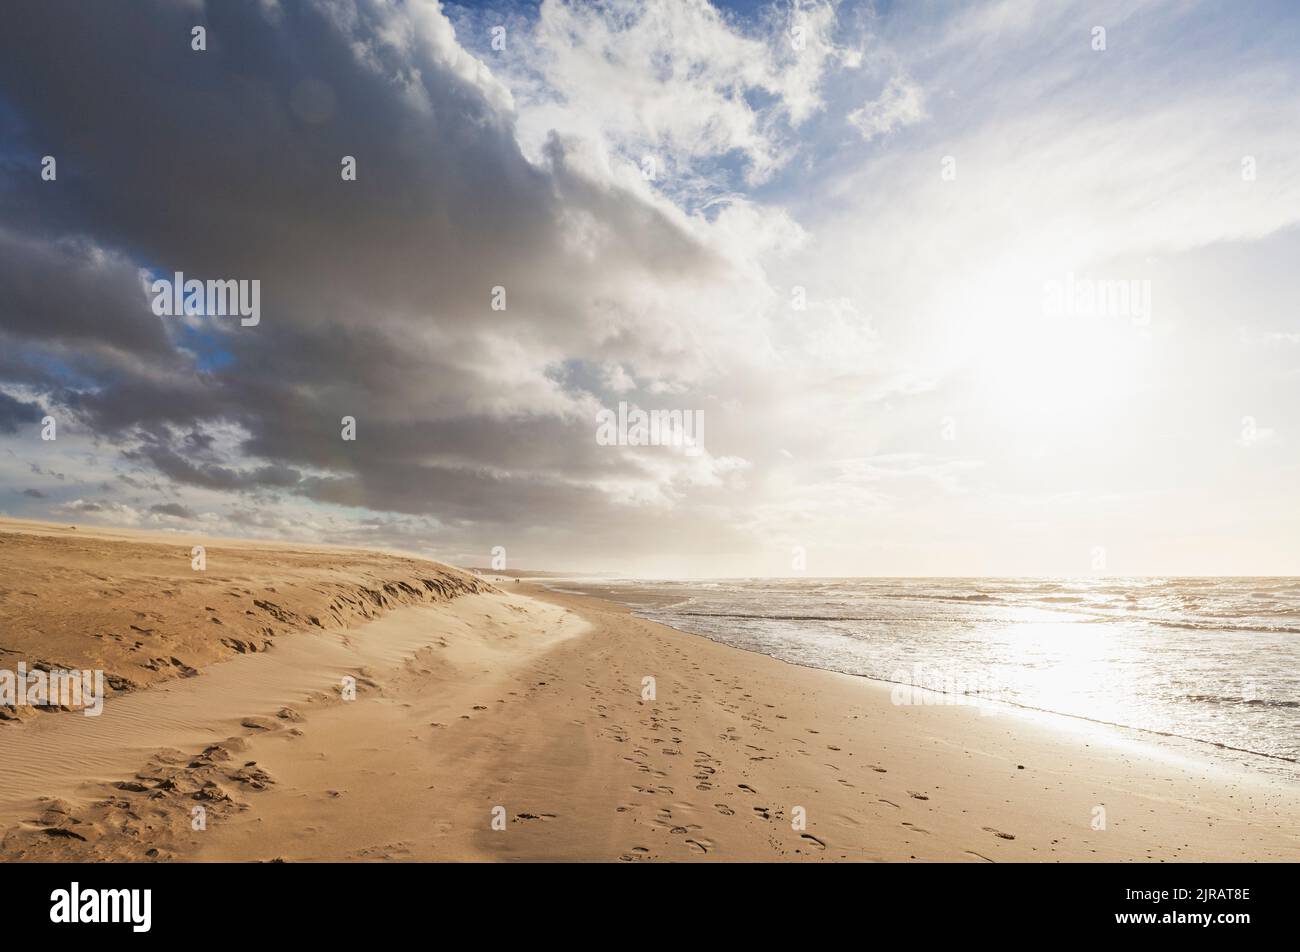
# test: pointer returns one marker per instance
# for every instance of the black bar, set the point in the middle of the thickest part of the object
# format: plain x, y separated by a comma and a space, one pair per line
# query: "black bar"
1020, 903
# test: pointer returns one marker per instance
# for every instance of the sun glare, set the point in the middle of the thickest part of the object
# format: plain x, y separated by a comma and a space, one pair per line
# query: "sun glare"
1071, 352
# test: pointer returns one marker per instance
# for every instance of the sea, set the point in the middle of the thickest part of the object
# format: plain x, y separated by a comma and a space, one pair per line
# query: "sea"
1209, 661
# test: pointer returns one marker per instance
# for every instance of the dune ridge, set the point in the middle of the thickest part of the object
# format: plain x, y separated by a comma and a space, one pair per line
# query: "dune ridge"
132, 605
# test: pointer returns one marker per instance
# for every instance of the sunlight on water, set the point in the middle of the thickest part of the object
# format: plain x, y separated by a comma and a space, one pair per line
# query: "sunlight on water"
1214, 660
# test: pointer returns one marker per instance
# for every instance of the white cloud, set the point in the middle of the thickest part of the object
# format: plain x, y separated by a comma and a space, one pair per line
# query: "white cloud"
673, 81
618, 379
902, 103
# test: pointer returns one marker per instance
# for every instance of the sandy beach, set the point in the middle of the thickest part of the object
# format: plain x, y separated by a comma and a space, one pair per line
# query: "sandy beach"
496, 720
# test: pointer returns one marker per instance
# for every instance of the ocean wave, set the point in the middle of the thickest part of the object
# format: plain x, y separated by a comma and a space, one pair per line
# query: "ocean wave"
1248, 702
918, 596
1215, 626
779, 617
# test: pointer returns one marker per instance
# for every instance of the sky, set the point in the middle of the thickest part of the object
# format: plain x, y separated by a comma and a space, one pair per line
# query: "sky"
1004, 288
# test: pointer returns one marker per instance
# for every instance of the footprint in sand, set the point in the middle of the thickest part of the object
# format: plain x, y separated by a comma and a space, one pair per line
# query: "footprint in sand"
724, 809
998, 833
917, 796
61, 832
259, 724
821, 845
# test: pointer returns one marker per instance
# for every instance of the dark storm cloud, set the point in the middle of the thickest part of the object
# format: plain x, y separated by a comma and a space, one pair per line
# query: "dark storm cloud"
42, 471
70, 290
173, 509
375, 293
211, 475
15, 413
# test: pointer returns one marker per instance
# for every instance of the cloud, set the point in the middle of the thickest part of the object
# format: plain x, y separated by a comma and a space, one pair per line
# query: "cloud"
521, 170
175, 510
902, 103
376, 295
619, 380
105, 512
675, 82
14, 413
92, 295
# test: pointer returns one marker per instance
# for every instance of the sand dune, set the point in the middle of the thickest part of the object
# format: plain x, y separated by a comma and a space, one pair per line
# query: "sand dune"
134, 605
125, 785
510, 723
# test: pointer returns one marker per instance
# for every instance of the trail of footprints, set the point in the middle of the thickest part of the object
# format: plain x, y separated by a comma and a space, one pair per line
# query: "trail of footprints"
656, 734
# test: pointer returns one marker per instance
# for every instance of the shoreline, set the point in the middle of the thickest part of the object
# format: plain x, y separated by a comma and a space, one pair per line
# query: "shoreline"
976, 701
1192, 747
